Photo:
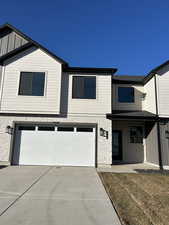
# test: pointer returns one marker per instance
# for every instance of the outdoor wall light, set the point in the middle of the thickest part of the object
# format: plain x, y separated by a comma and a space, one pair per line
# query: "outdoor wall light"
143, 96
9, 130
103, 133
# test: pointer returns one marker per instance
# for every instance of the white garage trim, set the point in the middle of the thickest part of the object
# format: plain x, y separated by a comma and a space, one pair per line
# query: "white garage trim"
50, 144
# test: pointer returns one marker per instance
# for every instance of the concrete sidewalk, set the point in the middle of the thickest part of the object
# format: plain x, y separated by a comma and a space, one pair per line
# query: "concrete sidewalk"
54, 195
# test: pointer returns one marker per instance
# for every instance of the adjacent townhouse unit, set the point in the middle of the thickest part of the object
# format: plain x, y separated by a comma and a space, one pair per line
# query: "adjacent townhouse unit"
54, 114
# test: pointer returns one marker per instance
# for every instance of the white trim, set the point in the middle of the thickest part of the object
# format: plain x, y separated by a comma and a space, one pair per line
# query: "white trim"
31, 71
83, 99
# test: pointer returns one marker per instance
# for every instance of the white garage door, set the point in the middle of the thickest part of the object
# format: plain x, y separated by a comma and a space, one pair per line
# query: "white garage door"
51, 145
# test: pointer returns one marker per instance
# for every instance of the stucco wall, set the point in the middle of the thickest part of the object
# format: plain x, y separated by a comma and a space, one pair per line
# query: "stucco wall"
103, 144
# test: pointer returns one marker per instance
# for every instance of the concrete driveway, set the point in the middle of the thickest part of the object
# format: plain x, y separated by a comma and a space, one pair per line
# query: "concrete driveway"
32, 195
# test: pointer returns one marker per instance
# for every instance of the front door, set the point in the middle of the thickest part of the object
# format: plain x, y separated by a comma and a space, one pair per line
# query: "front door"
116, 145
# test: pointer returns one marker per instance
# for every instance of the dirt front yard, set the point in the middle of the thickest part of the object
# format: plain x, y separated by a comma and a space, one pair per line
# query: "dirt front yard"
140, 199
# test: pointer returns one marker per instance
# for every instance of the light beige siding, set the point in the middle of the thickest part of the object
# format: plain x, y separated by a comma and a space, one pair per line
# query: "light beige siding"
163, 91
100, 105
150, 101
31, 60
137, 105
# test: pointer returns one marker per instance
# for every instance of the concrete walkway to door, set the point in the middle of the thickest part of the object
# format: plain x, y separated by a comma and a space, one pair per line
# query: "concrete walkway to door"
54, 195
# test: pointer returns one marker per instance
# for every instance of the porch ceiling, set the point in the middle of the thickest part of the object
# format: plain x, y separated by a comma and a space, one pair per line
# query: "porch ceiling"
121, 114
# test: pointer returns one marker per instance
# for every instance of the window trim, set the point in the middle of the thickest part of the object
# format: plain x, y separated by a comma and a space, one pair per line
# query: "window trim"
32, 71
26, 127
65, 128
142, 143
84, 129
44, 128
117, 95
83, 99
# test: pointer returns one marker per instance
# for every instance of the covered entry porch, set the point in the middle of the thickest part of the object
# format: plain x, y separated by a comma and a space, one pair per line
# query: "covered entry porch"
134, 138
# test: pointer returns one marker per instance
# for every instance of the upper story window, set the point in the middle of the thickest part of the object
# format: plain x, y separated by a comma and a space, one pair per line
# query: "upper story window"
126, 94
32, 83
84, 87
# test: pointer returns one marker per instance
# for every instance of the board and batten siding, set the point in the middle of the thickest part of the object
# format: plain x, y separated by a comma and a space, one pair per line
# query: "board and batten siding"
162, 79
100, 105
164, 144
32, 60
10, 41
152, 154
150, 99
138, 103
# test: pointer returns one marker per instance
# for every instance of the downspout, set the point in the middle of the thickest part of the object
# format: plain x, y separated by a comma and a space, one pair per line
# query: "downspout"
158, 127
111, 119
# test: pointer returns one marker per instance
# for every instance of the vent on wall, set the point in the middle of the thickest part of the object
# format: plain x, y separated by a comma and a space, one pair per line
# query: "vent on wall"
143, 96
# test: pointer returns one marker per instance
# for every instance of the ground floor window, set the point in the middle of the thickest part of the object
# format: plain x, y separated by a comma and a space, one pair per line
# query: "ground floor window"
136, 134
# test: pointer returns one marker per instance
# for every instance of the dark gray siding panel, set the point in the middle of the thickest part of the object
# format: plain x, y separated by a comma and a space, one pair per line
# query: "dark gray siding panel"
4, 45
164, 144
18, 41
23, 41
151, 143
9, 41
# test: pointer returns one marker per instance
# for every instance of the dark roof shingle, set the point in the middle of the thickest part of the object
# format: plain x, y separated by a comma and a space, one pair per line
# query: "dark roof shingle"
128, 79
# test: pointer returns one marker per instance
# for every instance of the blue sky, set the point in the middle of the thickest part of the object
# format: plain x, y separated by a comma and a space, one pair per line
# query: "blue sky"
130, 35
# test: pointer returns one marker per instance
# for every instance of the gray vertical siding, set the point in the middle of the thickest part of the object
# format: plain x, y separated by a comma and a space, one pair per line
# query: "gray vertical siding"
164, 144
9, 41
152, 155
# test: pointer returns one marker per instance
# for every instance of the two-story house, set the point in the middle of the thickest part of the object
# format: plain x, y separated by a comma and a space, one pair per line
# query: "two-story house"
54, 114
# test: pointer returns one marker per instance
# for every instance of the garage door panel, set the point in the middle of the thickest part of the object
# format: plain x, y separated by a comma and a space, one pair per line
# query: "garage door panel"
79, 148
35, 150
71, 148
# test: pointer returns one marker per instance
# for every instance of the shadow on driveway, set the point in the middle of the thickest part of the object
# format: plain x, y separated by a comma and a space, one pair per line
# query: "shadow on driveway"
2, 167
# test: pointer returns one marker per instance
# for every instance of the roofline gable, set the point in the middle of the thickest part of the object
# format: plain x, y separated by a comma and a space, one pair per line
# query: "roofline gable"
32, 42
154, 71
